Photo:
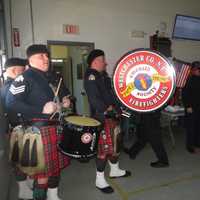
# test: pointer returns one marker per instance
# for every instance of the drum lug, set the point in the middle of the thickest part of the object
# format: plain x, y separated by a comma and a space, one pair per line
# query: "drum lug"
93, 142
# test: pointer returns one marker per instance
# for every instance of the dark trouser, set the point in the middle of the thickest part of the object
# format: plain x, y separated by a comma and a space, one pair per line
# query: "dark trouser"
149, 131
193, 130
5, 169
101, 163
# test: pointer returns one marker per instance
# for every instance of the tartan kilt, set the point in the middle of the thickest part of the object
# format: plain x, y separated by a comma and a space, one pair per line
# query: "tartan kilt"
55, 161
106, 142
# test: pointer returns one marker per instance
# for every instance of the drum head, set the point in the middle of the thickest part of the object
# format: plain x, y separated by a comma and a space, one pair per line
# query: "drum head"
82, 121
144, 80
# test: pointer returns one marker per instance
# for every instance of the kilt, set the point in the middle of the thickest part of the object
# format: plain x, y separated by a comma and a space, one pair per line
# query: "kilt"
55, 161
107, 141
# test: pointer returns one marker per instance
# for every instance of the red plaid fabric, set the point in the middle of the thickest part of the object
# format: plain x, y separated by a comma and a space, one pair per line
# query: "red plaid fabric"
54, 159
105, 143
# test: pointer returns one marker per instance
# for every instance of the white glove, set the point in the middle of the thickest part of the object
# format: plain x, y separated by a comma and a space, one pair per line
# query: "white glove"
189, 110
66, 102
49, 108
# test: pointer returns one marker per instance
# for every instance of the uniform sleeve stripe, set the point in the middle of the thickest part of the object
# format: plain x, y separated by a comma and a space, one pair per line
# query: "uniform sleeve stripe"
16, 90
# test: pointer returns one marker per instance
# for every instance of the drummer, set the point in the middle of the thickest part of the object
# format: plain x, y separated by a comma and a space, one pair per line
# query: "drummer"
102, 102
31, 95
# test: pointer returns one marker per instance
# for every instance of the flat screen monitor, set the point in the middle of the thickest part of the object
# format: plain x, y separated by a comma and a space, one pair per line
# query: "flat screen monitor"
186, 27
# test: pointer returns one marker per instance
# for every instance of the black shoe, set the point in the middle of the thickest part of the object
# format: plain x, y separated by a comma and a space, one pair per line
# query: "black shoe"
159, 164
190, 149
132, 156
126, 150
127, 174
106, 190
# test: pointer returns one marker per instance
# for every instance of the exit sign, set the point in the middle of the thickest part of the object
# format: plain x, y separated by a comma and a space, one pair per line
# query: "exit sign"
71, 29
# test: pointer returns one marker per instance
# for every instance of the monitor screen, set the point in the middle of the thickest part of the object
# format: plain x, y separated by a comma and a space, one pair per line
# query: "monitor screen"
186, 27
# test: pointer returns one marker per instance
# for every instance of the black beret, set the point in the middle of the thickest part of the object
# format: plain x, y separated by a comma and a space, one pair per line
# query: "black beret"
35, 49
10, 62
94, 54
196, 64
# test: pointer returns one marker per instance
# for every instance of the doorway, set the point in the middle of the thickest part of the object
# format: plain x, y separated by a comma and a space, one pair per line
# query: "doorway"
69, 59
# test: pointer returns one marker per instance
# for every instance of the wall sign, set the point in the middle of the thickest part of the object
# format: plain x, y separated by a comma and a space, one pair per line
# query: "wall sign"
71, 29
16, 37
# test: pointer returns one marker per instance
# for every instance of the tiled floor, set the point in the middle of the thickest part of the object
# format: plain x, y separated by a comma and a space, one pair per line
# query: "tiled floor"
178, 182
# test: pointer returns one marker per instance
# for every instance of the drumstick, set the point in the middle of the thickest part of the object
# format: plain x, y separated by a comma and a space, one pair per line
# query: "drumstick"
58, 88
52, 115
55, 95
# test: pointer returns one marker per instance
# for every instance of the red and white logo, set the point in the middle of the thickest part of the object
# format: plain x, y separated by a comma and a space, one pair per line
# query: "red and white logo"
144, 80
86, 138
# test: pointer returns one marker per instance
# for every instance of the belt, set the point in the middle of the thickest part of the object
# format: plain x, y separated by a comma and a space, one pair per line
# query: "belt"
44, 123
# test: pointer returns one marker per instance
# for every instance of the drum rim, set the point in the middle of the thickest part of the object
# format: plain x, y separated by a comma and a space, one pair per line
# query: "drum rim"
76, 156
82, 125
154, 52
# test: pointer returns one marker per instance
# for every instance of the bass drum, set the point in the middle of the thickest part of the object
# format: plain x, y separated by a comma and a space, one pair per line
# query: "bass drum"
144, 80
80, 137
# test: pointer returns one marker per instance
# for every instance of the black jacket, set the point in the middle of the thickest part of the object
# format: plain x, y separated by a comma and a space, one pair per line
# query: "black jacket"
3, 94
3, 121
29, 93
191, 93
99, 92
4, 90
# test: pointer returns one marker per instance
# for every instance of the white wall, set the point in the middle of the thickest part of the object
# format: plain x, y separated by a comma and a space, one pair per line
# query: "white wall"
75, 54
107, 23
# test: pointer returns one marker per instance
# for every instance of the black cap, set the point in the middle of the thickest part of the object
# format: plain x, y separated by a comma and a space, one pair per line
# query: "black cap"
35, 49
195, 64
10, 62
94, 54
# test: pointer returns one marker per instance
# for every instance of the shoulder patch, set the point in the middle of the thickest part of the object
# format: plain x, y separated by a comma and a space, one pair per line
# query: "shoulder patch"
20, 78
16, 90
91, 77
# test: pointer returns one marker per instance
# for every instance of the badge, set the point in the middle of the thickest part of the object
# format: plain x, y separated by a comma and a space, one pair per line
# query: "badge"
91, 77
144, 80
86, 138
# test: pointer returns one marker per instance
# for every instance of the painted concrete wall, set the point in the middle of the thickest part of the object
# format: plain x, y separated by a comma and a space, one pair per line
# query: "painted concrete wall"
107, 23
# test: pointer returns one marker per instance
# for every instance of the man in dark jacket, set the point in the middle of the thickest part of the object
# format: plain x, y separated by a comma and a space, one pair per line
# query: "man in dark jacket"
3, 128
31, 95
148, 130
14, 67
191, 101
102, 102
4, 165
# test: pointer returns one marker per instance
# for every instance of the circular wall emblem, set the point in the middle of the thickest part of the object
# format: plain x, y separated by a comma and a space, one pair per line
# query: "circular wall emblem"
86, 138
144, 80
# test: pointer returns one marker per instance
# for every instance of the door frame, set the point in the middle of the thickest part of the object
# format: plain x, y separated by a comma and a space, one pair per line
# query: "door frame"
70, 43
91, 45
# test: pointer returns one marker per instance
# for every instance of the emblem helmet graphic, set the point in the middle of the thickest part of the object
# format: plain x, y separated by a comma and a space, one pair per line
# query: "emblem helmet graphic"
144, 80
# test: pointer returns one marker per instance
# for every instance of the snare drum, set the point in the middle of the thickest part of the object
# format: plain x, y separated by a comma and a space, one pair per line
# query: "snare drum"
80, 137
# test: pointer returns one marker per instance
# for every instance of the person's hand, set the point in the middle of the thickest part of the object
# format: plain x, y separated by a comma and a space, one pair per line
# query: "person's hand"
49, 108
66, 102
189, 110
58, 107
110, 108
